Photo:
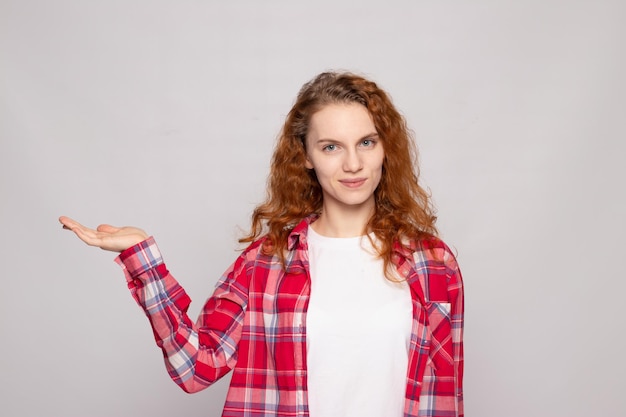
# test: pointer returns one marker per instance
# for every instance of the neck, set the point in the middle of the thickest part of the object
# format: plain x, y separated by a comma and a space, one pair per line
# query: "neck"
350, 222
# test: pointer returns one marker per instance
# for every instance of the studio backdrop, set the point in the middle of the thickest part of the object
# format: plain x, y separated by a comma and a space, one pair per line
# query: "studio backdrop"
163, 115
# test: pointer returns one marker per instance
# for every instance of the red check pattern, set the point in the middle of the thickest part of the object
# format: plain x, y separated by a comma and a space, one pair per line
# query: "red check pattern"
255, 325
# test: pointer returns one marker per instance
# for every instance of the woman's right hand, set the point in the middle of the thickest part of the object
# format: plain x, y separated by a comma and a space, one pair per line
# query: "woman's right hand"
107, 237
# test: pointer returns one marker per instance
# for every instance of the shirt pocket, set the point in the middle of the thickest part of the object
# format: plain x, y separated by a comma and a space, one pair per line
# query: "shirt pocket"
440, 327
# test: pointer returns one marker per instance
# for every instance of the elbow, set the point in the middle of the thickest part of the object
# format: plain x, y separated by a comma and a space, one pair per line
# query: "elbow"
199, 380
192, 388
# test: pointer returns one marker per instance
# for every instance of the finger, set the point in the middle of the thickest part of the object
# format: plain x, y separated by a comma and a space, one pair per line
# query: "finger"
89, 236
65, 221
85, 234
70, 224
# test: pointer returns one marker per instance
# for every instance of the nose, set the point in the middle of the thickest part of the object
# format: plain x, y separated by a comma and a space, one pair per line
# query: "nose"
352, 161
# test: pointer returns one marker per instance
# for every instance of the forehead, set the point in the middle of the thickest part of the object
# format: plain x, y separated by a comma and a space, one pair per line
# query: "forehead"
341, 120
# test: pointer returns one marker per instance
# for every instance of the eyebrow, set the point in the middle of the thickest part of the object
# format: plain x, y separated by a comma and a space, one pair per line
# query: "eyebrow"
368, 136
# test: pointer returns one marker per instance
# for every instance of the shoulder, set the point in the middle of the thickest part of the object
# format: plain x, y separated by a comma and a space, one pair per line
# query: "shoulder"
436, 270
432, 253
250, 268
437, 249
260, 248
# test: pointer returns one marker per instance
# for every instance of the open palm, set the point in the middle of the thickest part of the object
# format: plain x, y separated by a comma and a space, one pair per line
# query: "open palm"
107, 237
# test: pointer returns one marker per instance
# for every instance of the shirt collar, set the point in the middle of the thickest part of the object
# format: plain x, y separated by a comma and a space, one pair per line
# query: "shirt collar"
297, 237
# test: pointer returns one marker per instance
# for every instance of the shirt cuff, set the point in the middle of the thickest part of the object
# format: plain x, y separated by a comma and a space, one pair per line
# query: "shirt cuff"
140, 258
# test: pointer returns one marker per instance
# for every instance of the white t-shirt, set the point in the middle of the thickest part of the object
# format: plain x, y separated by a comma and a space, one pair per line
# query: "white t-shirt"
358, 330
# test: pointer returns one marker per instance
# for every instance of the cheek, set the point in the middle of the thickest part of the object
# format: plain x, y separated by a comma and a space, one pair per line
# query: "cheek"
380, 162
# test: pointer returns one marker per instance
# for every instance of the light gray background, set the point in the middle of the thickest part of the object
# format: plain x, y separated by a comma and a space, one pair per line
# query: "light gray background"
163, 115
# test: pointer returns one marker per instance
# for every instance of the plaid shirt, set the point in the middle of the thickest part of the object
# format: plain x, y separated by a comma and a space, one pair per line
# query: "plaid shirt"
255, 325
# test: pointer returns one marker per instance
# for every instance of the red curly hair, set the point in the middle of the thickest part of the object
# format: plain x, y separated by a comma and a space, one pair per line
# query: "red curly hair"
403, 209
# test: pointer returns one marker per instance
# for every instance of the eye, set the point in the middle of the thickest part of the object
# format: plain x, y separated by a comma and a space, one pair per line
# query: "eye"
368, 142
329, 148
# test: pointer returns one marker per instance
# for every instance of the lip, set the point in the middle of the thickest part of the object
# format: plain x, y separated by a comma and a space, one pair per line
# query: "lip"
353, 182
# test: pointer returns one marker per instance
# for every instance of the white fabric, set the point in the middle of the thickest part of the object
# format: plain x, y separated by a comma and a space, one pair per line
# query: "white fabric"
358, 330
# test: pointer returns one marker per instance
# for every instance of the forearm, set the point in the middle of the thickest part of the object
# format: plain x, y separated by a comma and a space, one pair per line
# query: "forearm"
192, 354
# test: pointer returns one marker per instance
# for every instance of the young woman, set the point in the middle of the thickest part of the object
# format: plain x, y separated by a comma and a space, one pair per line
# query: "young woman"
345, 302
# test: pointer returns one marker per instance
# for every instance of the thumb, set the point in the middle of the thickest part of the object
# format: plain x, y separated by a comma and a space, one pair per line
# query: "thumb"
107, 228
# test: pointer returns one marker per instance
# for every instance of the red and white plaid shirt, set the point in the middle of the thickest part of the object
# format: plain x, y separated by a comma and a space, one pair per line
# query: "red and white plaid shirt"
255, 325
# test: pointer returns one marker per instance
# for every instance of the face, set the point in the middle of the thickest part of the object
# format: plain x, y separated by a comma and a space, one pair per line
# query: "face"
346, 153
